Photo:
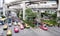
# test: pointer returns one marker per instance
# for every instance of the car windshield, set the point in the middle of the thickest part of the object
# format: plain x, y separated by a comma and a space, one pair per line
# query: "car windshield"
9, 20
1, 22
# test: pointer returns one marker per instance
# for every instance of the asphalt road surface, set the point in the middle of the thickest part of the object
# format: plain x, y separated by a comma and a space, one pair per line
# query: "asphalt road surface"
34, 32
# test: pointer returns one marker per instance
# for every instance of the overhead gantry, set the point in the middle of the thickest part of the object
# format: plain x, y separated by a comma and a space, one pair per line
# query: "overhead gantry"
24, 3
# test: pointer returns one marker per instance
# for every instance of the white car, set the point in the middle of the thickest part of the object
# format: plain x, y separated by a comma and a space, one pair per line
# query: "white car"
21, 27
19, 23
10, 24
15, 23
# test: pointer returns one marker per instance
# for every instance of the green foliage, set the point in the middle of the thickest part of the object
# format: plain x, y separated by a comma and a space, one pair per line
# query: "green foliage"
29, 23
21, 16
53, 22
28, 10
17, 14
58, 18
54, 16
30, 14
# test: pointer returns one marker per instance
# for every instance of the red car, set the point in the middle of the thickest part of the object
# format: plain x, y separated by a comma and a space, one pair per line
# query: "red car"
44, 28
16, 29
21, 27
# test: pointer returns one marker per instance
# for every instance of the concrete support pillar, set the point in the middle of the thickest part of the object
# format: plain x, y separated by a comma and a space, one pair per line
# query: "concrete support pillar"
58, 13
24, 10
4, 9
39, 12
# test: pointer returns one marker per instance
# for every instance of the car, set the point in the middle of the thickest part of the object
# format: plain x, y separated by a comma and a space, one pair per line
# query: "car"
27, 26
15, 23
9, 24
2, 21
9, 20
19, 23
44, 28
9, 33
5, 27
1, 32
21, 27
16, 29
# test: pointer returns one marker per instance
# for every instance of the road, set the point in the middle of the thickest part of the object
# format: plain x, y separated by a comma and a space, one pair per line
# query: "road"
33, 32
54, 30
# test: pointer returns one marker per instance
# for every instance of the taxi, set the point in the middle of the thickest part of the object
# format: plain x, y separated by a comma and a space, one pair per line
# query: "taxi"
19, 23
44, 27
5, 27
16, 29
21, 27
2, 21
9, 33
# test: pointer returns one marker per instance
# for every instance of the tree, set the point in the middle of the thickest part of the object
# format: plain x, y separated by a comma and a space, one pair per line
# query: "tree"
54, 16
30, 14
